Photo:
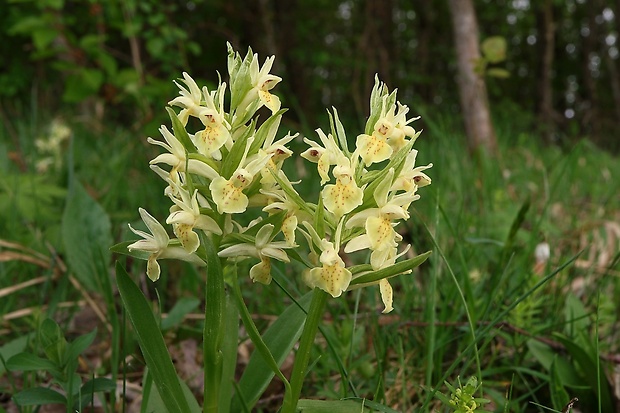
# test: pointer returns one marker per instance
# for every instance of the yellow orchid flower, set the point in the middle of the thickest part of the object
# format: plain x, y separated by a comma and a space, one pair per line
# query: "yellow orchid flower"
156, 243
263, 248
190, 99
185, 216
345, 195
177, 157
332, 277
228, 193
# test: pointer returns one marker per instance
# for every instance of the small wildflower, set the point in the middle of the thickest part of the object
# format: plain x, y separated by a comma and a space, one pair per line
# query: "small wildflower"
263, 248
190, 99
157, 244
332, 277
185, 216
345, 195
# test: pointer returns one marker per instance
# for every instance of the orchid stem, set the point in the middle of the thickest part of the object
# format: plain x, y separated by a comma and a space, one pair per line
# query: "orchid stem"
212, 333
315, 314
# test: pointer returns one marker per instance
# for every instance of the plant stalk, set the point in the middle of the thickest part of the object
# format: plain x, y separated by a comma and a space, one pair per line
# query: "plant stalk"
315, 314
213, 327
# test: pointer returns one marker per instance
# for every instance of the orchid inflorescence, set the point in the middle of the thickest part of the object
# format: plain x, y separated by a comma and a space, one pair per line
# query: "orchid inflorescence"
220, 163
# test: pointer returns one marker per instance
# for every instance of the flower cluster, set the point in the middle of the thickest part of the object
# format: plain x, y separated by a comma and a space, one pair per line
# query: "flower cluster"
220, 163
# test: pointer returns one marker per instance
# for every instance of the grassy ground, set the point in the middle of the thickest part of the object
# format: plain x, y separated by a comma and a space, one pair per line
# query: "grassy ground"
533, 331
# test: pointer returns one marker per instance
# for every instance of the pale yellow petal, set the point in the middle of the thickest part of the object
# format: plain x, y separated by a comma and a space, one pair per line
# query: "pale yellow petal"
261, 272
332, 279
380, 232
152, 268
373, 148
341, 198
185, 234
386, 295
229, 198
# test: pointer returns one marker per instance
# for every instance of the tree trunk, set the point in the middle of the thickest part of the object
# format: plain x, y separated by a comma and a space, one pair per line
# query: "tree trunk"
472, 89
376, 47
545, 74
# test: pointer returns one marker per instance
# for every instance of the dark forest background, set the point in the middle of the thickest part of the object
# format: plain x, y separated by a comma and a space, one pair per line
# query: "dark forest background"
115, 60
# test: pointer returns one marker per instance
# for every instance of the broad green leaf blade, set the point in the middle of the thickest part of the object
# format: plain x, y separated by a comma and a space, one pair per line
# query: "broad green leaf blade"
38, 396
98, 384
12, 348
588, 365
86, 233
77, 346
53, 342
546, 356
29, 362
280, 338
154, 402
152, 343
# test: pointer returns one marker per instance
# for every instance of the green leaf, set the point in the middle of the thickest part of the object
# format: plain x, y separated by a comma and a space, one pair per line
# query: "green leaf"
12, 348
86, 233
38, 396
53, 342
180, 133
268, 128
43, 37
98, 384
494, 49
77, 346
546, 356
576, 316
332, 406
588, 364
82, 84
183, 306
152, 343
279, 338
29, 362
391, 271
498, 72
154, 402
559, 396
232, 161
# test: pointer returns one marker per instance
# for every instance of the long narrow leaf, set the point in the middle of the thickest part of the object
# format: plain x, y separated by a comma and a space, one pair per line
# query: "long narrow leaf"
152, 343
279, 338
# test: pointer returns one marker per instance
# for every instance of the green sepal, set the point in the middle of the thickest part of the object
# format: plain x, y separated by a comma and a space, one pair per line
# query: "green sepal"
239, 71
338, 131
121, 248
